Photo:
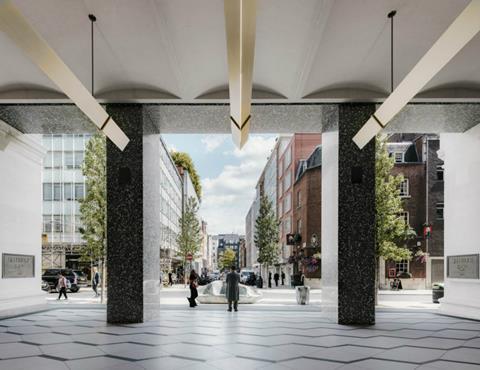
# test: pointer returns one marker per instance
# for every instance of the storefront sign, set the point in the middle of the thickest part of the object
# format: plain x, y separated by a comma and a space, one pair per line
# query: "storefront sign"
17, 266
463, 266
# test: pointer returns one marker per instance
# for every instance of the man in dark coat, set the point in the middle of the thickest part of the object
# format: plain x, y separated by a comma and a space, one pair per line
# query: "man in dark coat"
232, 291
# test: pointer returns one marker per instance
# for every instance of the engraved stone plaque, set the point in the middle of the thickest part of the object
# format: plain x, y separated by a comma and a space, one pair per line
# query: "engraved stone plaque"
17, 266
463, 266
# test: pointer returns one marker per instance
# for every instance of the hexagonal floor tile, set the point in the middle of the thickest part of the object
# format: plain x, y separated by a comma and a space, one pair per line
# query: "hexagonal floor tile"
71, 351
168, 363
471, 355
98, 339
37, 363
131, 351
102, 363
46, 338
411, 354
12, 350
345, 353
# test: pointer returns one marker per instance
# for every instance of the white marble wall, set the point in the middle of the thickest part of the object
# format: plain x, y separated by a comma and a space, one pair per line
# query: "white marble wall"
20, 216
461, 153
330, 144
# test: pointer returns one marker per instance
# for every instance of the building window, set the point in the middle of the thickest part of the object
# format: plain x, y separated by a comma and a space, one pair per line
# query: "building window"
287, 225
68, 191
404, 188
406, 217
299, 226
280, 209
280, 168
79, 193
280, 188
287, 180
440, 171
401, 266
439, 210
399, 157
299, 199
288, 158
52, 191
287, 202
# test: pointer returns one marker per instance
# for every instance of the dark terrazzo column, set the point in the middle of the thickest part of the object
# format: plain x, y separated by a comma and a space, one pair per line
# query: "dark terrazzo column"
126, 218
356, 219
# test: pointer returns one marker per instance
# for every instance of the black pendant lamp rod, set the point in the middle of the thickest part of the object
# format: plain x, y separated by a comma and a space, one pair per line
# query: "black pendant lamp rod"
93, 19
391, 15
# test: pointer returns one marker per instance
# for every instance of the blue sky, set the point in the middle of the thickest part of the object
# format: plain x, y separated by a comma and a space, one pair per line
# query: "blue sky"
228, 175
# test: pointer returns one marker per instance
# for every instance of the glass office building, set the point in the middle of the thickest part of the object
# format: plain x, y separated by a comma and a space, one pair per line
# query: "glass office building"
63, 186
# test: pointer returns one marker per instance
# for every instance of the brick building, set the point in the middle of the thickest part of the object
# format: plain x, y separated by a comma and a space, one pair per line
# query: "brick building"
417, 160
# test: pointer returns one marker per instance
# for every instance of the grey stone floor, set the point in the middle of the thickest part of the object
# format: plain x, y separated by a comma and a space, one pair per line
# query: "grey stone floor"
80, 339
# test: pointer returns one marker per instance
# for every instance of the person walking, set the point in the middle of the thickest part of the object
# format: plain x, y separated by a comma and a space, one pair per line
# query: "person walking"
269, 279
276, 277
193, 288
62, 286
232, 291
95, 281
170, 279
283, 278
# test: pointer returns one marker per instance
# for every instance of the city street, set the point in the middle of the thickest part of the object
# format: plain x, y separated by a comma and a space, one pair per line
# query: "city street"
275, 298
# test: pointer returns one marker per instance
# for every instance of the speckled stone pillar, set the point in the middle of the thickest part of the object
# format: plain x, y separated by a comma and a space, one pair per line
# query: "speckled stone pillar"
348, 217
133, 214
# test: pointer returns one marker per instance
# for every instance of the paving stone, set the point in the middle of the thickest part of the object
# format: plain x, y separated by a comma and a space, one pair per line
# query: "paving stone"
130, 351
150, 339
447, 365
237, 364
344, 354
12, 350
437, 343
475, 343
8, 337
411, 354
373, 364
280, 353
382, 342
102, 363
99, 339
471, 355
34, 363
457, 334
46, 338
310, 364
168, 363
237, 348
71, 351
194, 352
28, 330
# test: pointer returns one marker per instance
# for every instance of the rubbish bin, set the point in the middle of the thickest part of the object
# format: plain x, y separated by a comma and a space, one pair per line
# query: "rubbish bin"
303, 294
437, 292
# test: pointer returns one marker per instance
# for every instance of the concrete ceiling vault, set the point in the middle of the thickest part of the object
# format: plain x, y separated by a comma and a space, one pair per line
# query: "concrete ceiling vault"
172, 52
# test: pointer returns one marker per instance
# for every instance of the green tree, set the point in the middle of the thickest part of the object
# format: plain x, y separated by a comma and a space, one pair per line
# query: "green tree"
93, 207
392, 232
189, 238
266, 233
182, 159
227, 259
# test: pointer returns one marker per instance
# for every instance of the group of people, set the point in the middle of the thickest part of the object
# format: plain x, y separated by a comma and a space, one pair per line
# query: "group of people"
63, 284
232, 291
276, 278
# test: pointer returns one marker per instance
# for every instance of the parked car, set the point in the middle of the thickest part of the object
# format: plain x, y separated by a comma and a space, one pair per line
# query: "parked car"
50, 276
204, 280
82, 280
215, 275
246, 275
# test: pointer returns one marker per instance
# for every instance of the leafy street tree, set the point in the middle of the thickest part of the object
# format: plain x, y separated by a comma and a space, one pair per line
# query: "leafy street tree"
391, 230
182, 159
227, 259
189, 238
94, 206
266, 233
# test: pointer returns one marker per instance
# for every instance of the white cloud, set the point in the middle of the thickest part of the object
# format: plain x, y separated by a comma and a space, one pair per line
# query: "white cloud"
227, 197
212, 142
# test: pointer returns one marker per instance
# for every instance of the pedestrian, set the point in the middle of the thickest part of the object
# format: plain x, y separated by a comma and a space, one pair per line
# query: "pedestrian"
232, 291
193, 288
95, 281
170, 280
269, 279
62, 285
276, 277
283, 278
161, 278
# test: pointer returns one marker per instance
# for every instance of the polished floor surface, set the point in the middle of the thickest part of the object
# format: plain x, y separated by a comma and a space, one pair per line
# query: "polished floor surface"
182, 339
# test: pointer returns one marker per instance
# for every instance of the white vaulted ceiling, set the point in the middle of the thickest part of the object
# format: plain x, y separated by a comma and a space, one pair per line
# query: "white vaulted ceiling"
175, 50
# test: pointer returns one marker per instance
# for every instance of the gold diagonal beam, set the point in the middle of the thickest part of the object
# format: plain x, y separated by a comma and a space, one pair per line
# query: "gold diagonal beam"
240, 23
14, 24
457, 35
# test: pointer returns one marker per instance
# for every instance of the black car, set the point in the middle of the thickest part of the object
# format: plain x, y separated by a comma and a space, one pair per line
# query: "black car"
50, 276
82, 280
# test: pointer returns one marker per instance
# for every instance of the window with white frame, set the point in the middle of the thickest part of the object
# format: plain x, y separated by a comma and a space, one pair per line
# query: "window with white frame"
406, 217
287, 225
439, 208
287, 202
405, 188
287, 158
280, 209
399, 157
287, 180
401, 266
